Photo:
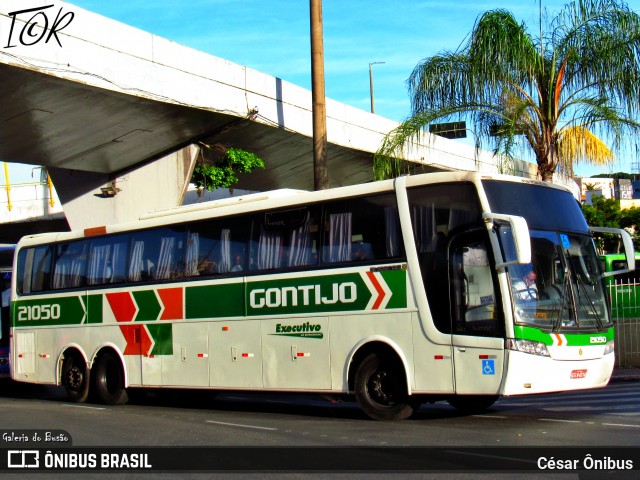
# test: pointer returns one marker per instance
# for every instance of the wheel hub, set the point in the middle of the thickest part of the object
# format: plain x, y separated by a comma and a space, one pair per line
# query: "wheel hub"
74, 378
380, 386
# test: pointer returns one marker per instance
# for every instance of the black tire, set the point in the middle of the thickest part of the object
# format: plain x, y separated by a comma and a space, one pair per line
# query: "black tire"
108, 380
470, 404
75, 378
381, 390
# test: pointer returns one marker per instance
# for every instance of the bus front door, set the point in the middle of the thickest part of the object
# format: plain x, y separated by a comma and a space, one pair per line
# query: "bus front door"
477, 328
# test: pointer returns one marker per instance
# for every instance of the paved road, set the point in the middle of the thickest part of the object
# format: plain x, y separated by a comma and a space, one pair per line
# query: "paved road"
608, 417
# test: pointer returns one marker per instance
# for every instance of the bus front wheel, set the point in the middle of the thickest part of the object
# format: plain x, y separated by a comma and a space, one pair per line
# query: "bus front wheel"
108, 378
380, 388
75, 378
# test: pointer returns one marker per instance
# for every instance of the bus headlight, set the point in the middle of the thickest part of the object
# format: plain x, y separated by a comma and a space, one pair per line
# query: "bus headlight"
527, 346
609, 347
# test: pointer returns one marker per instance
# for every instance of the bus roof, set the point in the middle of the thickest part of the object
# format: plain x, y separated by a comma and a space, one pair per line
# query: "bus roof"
269, 200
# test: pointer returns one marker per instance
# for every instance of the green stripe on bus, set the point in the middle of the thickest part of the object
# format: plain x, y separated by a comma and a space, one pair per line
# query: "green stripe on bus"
327, 293
49, 311
148, 305
94, 308
214, 301
162, 335
572, 339
348, 292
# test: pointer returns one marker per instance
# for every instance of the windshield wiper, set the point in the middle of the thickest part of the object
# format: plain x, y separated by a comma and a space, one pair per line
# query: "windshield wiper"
599, 323
567, 295
558, 322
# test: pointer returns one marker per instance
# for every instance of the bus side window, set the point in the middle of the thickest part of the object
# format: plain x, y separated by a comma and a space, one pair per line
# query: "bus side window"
70, 265
285, 239
362, 229
216, 246
108, 260
41, 269
156, 254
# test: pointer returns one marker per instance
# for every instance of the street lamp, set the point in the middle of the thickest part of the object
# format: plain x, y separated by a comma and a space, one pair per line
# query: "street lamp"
371, 84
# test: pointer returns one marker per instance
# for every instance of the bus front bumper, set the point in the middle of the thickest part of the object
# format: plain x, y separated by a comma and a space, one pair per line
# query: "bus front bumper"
527, 374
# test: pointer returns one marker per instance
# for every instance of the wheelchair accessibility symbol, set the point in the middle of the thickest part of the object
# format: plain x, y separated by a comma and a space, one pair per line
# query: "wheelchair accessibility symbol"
488, 367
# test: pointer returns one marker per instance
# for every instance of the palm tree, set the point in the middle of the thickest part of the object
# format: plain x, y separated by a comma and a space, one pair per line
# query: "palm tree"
558, 94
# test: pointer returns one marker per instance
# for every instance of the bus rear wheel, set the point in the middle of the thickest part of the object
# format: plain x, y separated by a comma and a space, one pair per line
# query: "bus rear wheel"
75, 378
108, 380
380, 389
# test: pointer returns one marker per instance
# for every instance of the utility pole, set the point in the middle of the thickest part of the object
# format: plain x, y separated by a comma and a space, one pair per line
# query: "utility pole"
373, 110
320, 171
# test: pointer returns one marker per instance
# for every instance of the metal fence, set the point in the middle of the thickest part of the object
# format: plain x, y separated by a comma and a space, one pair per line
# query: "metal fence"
625, 310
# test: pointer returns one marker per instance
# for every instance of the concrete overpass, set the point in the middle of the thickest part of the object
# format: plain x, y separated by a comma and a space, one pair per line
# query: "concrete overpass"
102, 104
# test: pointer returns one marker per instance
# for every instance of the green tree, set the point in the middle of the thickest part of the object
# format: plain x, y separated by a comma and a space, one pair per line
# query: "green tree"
603, 212
554, 93
630, 220
218, 166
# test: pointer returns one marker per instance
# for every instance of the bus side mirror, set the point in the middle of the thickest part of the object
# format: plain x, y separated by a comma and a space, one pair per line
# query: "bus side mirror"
520, 234
629, 251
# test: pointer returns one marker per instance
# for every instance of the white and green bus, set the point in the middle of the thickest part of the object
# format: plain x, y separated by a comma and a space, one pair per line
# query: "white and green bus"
398, 292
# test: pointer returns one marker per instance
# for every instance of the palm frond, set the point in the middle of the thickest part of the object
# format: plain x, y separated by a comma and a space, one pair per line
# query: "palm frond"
577, 144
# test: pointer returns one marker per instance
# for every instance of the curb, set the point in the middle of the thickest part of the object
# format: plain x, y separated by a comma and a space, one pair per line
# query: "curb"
625, 375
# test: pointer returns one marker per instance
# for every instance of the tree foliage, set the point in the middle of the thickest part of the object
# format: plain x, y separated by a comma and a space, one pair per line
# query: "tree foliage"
606, 212
218, 167
603, 212
556, 94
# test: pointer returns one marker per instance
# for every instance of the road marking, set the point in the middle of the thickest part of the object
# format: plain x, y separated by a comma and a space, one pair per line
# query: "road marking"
489, 416
558, 420
240, 425
82, 406
590, 423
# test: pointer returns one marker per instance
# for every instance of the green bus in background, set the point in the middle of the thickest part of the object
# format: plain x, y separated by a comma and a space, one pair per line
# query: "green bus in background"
623, 287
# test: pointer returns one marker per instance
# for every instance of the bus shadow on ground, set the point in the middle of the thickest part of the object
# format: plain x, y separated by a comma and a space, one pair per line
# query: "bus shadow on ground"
303, 405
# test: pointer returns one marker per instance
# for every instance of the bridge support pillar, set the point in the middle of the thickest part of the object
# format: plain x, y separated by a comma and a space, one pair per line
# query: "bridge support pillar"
94, 199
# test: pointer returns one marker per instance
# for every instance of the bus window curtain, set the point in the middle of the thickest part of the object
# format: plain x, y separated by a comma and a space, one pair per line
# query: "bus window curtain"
340, 237
165, 258
69, 267
98, 265
61, 274
192, 254
77, 268
224, 265
300, 246
136, 265
392, 230
269, 250
115, 270
423, 218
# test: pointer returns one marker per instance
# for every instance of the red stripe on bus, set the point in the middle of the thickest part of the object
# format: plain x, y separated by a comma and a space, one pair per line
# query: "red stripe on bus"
173, 304
378, 288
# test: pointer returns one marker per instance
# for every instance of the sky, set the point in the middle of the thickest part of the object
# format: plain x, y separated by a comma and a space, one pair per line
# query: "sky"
272, 36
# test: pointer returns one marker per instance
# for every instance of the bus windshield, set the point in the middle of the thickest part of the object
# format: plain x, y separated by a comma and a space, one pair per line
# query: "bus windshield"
561, 289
